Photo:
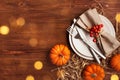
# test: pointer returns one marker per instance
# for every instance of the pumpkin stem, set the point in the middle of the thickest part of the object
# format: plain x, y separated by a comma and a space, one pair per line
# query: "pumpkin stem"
93, 75
60, 55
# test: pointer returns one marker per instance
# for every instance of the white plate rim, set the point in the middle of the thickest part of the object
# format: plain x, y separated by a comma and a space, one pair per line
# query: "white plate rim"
107, 21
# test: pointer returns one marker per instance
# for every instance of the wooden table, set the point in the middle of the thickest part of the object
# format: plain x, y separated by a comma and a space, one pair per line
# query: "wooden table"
45, 22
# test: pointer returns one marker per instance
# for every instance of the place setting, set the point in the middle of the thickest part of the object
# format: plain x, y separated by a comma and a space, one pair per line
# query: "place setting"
92, 38
92, 45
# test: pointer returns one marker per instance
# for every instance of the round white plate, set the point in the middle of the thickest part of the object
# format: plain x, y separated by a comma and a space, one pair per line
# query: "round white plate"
80, 48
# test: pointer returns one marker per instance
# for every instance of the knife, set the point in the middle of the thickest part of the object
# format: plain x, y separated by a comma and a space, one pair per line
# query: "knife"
83, 37
92, 51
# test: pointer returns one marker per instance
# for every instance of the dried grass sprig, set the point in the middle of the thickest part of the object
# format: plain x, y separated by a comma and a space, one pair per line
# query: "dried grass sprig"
73, 69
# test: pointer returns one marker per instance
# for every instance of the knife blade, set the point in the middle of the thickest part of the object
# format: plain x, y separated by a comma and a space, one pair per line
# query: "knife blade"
94, 55
83, 37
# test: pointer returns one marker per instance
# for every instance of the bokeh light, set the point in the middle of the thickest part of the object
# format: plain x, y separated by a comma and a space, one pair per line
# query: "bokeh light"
17, 22
117, 18
38, 65
4, 30
20, 21
33, 42
30, 77
114, 77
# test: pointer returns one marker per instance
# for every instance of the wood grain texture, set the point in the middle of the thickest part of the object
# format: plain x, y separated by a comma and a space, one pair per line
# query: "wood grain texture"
46, 20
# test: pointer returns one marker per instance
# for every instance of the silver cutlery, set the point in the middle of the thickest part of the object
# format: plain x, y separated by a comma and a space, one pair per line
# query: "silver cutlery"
95, 53
83, 37
92, 51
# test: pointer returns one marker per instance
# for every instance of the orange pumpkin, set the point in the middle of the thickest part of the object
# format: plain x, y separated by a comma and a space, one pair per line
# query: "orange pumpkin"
93, 72
115, 62
59, 54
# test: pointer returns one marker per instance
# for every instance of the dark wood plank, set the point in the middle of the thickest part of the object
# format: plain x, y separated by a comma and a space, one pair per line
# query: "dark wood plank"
46, 20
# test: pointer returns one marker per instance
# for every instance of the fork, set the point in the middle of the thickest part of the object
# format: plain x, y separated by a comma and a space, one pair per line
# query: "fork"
93, 51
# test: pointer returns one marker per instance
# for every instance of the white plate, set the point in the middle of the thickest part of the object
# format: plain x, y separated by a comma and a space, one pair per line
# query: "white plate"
79, 46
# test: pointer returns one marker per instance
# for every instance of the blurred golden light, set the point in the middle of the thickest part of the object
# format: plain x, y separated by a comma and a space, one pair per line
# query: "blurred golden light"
20, 21
4, 30
30, 77
38, 65
33, 42
117, 17
114, 77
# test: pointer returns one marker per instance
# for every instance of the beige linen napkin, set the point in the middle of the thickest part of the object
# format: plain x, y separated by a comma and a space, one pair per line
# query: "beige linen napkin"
91, 18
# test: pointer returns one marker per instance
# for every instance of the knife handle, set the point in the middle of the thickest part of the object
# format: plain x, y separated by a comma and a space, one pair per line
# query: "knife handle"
88, 44
95, 55
100, 54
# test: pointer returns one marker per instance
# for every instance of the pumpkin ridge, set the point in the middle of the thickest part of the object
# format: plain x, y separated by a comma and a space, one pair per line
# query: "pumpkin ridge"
98, 70
62, 47
64, 61
53, 56
62, 51
59, 62
93, 72
94, 67
65, 50
67, 57
114, 65
54, 51
115, 62
88, 68
57, 48
55, 60
60, 54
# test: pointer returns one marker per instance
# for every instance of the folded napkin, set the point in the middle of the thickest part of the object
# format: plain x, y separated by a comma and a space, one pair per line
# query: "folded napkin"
91, 18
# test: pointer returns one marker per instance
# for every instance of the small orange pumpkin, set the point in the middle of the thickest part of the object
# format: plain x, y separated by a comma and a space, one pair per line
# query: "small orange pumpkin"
93, 72
59, 54
115, 62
